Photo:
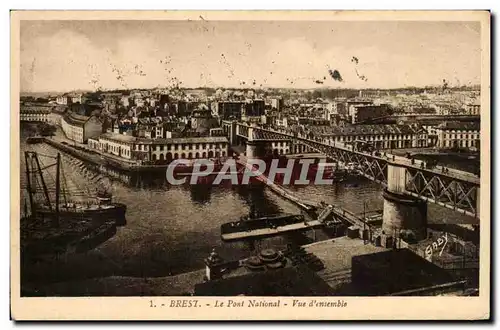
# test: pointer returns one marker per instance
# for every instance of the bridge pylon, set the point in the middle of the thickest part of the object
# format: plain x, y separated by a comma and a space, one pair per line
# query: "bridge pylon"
402, 213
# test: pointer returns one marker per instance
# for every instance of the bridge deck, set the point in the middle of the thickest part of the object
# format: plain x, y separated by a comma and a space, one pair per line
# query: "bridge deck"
307, 205
338, 212
391, 159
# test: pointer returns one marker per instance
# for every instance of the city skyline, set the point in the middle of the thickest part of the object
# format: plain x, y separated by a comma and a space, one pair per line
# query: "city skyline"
86, 55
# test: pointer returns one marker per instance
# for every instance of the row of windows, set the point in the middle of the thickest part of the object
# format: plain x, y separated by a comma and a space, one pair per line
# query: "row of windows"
373, 137
460, 131
462, 143
190, 155
184, 146
74, 133
461, 136
118, 150
280, 144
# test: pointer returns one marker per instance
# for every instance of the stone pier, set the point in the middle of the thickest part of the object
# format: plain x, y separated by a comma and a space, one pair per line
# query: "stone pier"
251, 150
402, 213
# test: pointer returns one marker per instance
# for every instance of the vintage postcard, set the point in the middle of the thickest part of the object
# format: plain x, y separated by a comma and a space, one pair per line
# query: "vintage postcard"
267, 165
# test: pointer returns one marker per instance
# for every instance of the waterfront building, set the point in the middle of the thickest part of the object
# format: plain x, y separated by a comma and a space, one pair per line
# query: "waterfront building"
458, 135
80, 128
158, 150
37, 114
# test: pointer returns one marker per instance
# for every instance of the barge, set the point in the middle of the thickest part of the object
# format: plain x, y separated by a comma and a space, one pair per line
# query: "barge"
265, 226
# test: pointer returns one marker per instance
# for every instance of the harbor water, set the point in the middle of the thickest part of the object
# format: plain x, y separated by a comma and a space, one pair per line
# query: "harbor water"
171, 229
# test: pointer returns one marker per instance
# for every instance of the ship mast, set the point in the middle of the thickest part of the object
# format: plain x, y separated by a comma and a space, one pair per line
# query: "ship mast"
44, 186
28, 178
58, 174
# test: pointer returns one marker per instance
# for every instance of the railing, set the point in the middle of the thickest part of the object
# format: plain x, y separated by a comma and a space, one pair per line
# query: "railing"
450, 188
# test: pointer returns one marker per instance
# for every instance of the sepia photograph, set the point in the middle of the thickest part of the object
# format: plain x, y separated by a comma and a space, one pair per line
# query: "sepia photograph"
283, 162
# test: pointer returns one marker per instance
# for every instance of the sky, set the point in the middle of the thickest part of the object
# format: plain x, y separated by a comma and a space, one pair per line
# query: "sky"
60, 56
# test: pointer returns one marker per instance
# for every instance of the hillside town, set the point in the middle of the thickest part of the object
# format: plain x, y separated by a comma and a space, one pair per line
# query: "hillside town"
156, 126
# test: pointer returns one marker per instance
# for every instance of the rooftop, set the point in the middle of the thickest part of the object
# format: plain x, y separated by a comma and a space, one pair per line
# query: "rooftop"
75, 119
35, 110
133, 139
456, 125
364, 129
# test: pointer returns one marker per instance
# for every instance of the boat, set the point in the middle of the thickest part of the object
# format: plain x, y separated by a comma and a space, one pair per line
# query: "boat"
97, 209
249, 224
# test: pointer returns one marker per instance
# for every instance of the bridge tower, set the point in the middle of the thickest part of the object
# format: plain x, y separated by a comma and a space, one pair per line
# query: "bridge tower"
251, 151
402, 212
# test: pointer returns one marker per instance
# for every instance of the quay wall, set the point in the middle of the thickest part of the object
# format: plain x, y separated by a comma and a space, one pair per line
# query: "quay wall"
100, 160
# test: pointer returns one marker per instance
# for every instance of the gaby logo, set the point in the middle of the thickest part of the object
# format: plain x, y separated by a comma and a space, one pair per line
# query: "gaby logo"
241, 171
439, 244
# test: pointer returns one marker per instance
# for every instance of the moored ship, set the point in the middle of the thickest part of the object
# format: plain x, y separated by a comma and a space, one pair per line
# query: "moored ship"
54, 223
98, 209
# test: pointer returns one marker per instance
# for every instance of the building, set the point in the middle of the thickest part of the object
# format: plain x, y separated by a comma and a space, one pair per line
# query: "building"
202, 121
228, 109
254, 108
472, 108
345, 108
277, 103
185, 108
190, 148
66, 99
458, 135
37, 114
379, 136
160, 150
62, 99
125, 101
423, 110
431, 134
281, 122
362, 113
80, 128
76, 98
150, 128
